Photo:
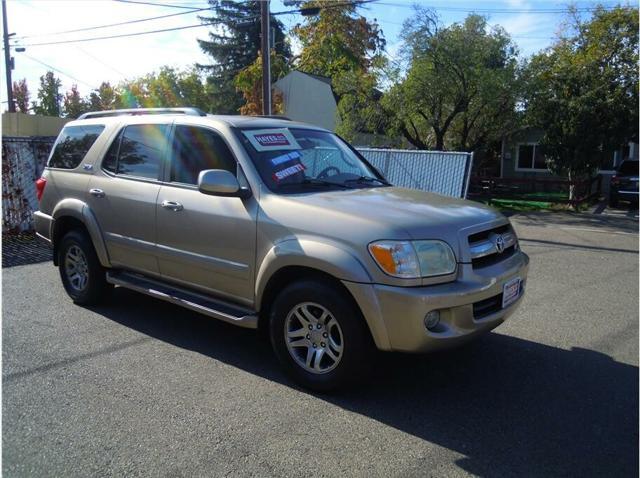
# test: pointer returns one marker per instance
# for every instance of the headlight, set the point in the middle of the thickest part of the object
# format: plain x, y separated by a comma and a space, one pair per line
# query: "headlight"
413, 259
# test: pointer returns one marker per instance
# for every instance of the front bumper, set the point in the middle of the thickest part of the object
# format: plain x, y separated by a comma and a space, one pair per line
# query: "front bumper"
395, 315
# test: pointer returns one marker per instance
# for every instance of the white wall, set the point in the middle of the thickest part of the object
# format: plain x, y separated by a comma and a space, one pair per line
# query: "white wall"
308, 100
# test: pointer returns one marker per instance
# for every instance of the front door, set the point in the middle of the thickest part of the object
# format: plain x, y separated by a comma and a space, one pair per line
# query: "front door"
205, 242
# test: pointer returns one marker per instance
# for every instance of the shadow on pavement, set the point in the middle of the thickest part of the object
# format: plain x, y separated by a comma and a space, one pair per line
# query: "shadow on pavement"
510, 406
22, 249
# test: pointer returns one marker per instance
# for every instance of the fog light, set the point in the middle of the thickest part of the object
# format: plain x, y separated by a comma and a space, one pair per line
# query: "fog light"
432, 319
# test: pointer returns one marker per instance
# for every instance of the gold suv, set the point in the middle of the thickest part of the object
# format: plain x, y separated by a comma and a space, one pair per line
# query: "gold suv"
268, 223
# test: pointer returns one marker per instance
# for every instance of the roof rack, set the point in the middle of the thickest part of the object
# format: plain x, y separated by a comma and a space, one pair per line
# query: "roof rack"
280, 117
144, 111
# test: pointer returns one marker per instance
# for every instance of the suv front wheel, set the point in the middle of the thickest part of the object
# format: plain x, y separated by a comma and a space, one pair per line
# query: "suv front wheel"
319, 335
82, 275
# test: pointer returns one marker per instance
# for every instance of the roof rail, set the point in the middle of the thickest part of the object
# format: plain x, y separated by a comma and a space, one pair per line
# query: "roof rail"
144, 111
280, 117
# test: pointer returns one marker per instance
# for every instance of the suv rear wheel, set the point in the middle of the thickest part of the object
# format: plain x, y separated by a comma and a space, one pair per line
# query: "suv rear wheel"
319, 335
82, 275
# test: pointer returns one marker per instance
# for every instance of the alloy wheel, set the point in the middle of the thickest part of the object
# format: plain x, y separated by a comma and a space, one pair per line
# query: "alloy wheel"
314, 338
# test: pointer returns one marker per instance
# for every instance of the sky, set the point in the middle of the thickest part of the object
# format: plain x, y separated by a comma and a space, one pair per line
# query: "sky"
532, 24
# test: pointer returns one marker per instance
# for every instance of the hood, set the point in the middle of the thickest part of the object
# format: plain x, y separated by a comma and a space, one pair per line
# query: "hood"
379, 213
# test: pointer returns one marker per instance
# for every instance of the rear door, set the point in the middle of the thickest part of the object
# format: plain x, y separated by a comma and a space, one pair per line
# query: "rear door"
205, 242
123, 194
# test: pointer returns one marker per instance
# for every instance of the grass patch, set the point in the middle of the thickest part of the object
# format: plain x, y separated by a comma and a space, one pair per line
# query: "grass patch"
522, 205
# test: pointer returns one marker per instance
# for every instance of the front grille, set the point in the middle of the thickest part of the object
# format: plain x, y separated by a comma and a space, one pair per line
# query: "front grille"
492, 259
487, 307
484, 235
483, 246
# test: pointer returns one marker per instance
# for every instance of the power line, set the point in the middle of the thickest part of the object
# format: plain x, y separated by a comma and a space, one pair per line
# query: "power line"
163, 30
81, 40
499, 10
140, 2
112, 24
58, 70
101, 61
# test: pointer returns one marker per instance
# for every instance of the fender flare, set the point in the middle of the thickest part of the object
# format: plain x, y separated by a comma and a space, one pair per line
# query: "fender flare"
82, 212
302, 252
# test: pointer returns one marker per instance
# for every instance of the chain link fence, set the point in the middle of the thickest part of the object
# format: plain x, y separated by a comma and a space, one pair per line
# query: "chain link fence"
445, 173
23, 160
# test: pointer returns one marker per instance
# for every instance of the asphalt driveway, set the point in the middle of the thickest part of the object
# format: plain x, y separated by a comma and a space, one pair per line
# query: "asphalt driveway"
143, 388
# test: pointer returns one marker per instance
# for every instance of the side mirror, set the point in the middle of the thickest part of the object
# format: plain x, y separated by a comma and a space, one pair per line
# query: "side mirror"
219, 182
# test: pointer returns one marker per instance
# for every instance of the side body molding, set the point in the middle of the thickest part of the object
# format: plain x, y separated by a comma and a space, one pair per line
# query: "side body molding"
82, 212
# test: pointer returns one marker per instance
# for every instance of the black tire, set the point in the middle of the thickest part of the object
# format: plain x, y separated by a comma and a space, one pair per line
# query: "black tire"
613, 201
95, 286
358, 350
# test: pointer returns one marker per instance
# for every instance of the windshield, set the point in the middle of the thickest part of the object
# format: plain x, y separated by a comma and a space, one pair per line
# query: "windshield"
293, 159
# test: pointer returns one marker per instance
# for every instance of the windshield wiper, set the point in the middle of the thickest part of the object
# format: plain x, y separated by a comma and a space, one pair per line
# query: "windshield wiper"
368, 179
315, 182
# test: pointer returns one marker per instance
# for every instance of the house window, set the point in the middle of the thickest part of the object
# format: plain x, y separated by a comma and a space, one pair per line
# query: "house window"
531, 157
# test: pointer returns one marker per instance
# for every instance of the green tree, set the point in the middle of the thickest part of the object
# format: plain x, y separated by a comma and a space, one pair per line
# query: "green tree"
233, 44
337, 40
249, 83
343, 45
21, 95
166, 88
583, 91
461, 86
103, 98
73, 103
49, 96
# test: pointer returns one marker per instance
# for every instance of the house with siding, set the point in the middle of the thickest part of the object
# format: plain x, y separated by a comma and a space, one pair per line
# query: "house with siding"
522, 157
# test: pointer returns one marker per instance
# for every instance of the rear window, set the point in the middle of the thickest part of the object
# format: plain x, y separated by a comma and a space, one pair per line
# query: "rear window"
628, 168
73, 144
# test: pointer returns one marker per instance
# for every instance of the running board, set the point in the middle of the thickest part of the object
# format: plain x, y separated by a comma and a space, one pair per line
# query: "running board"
184, 298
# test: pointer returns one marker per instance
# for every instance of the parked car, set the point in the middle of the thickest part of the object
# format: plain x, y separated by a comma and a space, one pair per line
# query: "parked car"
624, 185
271, 224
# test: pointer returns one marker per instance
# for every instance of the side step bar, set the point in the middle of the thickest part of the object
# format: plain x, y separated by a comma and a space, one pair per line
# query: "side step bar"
184, 298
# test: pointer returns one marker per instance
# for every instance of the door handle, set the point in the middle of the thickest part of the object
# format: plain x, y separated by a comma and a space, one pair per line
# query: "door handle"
172, 205
99, 193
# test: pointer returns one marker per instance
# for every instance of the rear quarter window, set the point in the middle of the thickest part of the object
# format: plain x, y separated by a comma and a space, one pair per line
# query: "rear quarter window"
72, 145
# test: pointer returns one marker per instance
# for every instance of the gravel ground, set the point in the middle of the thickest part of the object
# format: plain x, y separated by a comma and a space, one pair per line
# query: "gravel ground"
143, 388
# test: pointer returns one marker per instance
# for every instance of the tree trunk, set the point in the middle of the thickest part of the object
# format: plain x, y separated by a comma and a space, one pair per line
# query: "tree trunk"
572, 187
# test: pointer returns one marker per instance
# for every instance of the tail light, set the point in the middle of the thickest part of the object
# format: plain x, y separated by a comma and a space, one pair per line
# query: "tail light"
615, 180
40, 184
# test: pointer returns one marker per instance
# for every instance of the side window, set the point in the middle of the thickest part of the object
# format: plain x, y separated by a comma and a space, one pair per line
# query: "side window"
110, 160
195, 149
72, 145
141, 150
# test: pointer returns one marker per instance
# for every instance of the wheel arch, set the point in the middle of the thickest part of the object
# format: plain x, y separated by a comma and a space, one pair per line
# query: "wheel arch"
72, 214
291, 273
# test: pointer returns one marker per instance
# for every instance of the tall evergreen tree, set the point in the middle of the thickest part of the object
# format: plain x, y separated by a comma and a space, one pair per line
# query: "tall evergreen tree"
233, 44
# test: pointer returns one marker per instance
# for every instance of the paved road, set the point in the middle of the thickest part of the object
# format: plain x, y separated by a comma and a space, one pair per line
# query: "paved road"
147, 389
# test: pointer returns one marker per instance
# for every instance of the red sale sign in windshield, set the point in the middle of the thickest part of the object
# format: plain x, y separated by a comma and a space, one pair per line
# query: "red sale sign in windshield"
271, 139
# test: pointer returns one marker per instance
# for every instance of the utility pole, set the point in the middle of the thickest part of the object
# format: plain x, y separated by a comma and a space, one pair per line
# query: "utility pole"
266, 56
8, 61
